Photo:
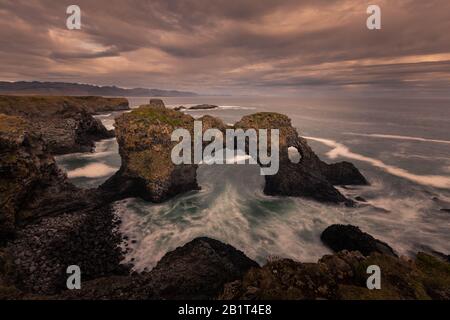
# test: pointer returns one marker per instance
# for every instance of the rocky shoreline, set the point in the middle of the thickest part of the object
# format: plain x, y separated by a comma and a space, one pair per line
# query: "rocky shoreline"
47, 224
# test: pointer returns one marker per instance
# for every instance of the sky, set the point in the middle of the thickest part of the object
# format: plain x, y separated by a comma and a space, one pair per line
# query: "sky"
247, 47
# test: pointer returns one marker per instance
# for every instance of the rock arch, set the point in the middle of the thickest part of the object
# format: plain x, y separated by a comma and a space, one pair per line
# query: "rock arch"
144, 137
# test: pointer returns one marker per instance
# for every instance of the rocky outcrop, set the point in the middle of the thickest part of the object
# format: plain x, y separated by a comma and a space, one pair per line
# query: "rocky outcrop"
203, 107
65, 123
30, 179
197, 107
197, 270
145, 145
347, 237
311, 177
343, 276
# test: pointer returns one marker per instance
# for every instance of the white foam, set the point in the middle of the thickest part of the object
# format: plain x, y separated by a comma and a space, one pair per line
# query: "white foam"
397, 137
340, 150
93, 170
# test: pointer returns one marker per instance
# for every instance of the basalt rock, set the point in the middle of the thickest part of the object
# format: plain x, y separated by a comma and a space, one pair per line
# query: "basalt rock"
66, 124
347, 237
197, 270
29, 176
145, 145
311, 177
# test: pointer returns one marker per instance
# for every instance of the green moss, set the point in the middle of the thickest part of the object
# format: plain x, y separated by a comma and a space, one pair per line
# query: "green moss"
156, 116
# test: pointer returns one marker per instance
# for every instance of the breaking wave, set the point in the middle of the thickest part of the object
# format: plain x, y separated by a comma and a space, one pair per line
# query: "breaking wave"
340, 150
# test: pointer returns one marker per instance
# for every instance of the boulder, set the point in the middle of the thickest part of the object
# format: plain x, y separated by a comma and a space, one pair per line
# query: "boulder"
197, 270
347, 237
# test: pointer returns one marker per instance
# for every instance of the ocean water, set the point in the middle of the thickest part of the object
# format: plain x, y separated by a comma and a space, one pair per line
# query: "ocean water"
401, 145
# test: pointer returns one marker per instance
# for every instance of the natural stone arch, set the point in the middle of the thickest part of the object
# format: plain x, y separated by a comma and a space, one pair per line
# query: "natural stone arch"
144, 137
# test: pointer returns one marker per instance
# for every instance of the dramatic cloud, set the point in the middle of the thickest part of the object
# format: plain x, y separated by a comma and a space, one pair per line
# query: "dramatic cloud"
231, 46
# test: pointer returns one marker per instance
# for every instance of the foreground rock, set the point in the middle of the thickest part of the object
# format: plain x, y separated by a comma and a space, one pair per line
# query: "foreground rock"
145, 146
347, 237
29, 177
197, 270
343, 276
65, 123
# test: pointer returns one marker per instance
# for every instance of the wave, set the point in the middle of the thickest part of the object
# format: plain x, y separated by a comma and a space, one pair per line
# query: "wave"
396, 137
339, 149
93, 170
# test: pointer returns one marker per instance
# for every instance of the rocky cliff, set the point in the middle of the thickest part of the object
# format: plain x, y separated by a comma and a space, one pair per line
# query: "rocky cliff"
65, 123
28, 174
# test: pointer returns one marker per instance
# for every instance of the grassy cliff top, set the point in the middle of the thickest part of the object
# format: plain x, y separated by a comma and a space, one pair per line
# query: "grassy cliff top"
12, 125
148, 114
49, 105
269, 120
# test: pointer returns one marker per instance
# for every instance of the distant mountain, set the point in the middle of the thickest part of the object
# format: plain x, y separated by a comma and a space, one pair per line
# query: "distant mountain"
77, 89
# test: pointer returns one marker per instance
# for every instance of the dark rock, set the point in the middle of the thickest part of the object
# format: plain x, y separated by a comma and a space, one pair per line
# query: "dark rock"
311, 177
197, 270
145, 146
147, 171
343, 276
179, 108
445, 210
203, 107
360, 199
347, 237
65, 123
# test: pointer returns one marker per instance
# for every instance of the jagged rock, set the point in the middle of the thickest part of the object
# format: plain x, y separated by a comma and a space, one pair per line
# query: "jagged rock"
29, 176
347, 237
148, 172
65, 123
157, 103
311, 177
197, 270
145, 146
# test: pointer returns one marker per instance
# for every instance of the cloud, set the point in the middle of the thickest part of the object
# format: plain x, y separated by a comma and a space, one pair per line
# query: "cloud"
218, 46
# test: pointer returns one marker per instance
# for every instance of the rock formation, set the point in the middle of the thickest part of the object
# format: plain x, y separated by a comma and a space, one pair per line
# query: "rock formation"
28, 174
347, 237
311, 177
343, 276
197, 270
65, 123
145, 145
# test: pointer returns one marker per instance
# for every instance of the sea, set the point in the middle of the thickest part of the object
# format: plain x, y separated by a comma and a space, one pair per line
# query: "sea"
402, 146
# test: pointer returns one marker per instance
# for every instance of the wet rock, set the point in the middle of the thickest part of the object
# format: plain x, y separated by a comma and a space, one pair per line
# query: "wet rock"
145, 146
311, 177
197, 270
351, 238
147, 171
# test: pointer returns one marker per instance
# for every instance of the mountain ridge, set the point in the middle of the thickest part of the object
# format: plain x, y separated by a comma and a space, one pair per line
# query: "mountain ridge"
78, 89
